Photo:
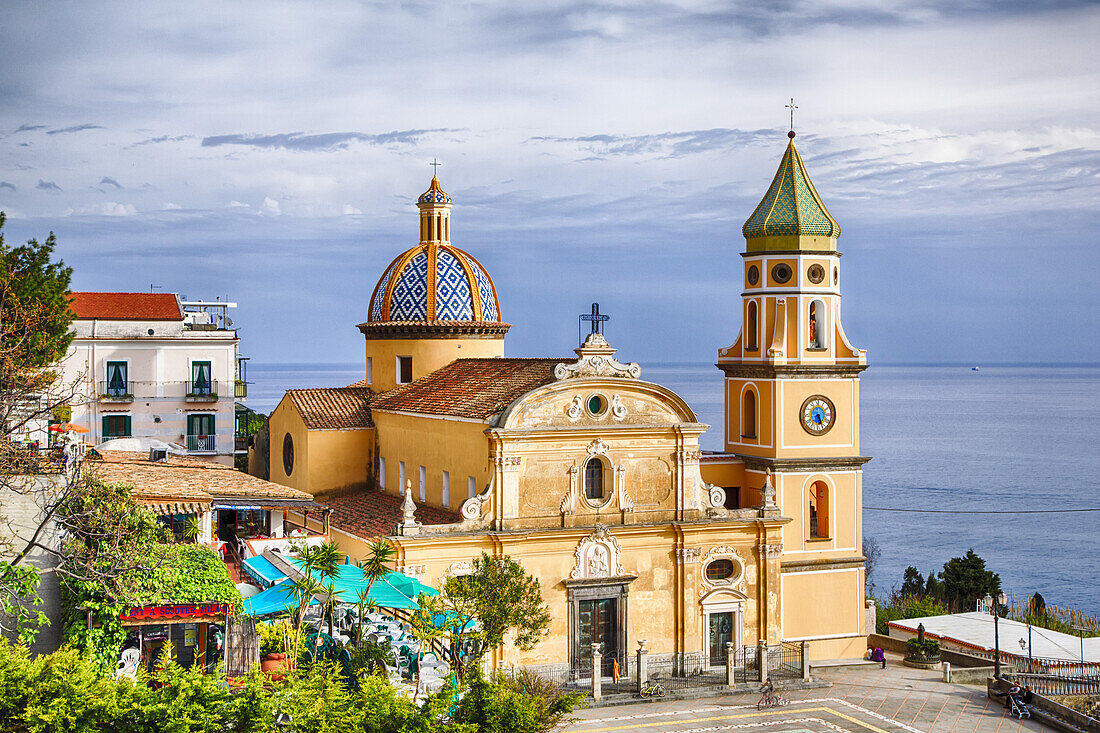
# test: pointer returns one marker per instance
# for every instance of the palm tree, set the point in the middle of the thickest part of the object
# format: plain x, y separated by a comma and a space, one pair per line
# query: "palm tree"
363, 605
380, 554
304, 589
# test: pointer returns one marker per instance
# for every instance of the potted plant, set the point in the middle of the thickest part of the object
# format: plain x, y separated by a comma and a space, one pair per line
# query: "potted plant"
922, 653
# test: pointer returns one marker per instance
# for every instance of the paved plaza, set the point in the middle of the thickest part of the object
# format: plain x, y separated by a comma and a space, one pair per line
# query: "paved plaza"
861, 700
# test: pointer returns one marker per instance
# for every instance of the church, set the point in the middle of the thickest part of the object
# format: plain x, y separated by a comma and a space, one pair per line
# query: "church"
591, 477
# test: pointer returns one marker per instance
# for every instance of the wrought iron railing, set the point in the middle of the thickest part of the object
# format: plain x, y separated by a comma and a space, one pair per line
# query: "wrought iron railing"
203, 388
202, 443
240, 389
116, 390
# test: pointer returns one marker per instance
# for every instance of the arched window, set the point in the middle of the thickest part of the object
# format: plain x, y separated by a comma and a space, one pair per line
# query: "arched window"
593, 479
748, 414
751, 344
819, 511
817, 325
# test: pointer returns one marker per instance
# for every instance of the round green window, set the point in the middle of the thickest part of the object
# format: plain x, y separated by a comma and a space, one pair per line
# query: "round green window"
596, 404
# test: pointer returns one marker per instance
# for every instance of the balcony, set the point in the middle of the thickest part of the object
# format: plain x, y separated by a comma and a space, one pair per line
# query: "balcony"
202, 443
240, 389
203, 391
115, 391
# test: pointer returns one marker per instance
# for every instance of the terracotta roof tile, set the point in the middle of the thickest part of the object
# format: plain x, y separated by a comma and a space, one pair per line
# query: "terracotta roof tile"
334, 408
472, 388
187, 480
126, 306
360, 383
368, 514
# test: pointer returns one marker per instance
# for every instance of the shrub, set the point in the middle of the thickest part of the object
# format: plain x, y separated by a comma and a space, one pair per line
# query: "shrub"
917, 649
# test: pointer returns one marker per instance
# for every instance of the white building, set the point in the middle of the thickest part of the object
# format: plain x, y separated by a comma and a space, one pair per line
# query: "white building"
148, 365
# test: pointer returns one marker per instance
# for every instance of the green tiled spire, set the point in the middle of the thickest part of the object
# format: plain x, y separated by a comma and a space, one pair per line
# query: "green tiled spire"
791, 207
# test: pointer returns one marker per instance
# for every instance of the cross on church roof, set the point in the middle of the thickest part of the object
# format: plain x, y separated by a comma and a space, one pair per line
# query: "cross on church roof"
596, 318
435, 166
792, 107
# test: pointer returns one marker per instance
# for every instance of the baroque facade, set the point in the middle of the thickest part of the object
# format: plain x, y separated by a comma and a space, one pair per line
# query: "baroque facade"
592, 477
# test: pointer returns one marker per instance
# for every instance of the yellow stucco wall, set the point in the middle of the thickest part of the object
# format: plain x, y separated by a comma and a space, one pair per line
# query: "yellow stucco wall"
455, 446
284, 420
819, 605
340, 460
428, 355
324, 460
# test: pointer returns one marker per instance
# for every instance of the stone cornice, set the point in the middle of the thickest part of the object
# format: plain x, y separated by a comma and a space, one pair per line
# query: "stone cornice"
833, 563
800, 371
793, 253
434, 329
823, 463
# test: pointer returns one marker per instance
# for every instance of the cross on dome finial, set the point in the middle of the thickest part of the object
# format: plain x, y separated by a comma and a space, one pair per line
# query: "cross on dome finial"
792, 107
435, 167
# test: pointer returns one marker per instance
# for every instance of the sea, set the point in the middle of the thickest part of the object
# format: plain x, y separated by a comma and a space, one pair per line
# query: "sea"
1019, 440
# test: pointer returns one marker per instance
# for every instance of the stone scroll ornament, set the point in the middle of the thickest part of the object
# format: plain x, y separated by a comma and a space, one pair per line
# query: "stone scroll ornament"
598, 556
596, 359
473, 508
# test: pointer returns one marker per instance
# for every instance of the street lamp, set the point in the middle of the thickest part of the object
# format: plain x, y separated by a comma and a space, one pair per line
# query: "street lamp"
996, 604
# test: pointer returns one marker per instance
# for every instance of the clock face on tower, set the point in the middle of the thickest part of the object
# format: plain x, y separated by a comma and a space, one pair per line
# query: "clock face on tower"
817, 414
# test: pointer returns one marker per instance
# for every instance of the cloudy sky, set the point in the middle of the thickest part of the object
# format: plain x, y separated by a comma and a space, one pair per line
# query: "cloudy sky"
271, 152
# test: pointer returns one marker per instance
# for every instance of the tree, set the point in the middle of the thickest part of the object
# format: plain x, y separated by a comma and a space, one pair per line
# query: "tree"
31, 285
871, 552
965, 580
912, 586
503, 599
35, 322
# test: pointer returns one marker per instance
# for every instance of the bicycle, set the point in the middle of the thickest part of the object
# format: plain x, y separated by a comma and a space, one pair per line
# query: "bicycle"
652, 688
773, 700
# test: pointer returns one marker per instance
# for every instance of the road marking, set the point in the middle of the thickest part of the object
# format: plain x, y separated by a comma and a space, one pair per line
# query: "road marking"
795, 707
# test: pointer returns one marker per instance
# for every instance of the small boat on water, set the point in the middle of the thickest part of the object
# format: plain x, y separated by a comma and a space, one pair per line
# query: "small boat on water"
975, 369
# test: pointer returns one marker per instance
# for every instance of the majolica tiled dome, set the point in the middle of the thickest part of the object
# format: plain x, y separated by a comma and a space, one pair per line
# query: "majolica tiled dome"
434, 282
791, 207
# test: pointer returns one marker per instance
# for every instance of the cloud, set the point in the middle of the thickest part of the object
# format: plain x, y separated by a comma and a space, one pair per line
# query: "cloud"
350, 210
162, 139
665, 144
324, 141
271, 206
5, 184
112, 208
47, 186
27, 128
237, 205
169, 206
74, 128
105, 181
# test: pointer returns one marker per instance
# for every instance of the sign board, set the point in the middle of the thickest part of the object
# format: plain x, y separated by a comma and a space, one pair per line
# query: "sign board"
177, 611
62, 413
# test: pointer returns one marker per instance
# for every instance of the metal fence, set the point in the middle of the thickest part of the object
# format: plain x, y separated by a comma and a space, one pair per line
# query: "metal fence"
785, 661
677, 671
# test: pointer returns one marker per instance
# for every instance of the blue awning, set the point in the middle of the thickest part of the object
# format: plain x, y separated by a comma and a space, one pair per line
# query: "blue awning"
263, 572
394, 590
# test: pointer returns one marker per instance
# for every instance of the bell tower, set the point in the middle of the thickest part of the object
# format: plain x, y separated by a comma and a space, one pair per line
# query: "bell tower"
792, 402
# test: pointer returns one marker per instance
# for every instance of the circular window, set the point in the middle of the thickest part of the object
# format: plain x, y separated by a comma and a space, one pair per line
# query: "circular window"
721, 569
597, 404
288, 454
150, 332
816, 273
836, 275
754, 275
782, 272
